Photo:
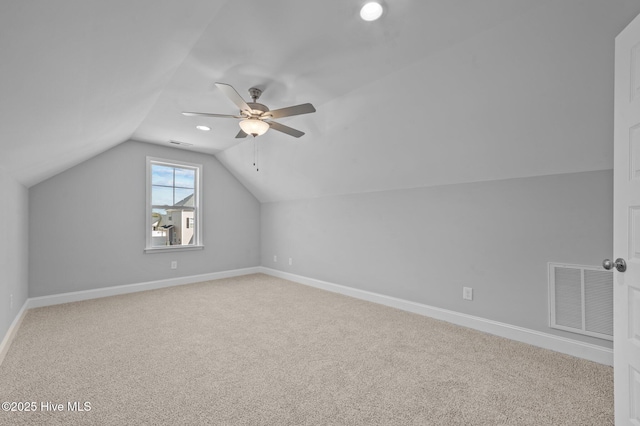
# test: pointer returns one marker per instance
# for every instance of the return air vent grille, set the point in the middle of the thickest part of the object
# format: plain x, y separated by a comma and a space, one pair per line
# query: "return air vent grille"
581, 299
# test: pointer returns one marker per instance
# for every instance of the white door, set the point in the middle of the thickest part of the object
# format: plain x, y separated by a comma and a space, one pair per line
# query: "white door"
626, 226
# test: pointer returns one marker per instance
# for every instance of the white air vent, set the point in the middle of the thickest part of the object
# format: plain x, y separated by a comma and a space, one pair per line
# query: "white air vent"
181, 143
581, 299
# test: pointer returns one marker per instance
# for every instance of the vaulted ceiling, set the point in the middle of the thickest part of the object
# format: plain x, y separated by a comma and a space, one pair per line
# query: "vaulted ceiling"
435, 92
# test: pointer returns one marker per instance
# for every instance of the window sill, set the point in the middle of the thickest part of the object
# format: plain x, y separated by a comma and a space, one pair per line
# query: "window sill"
166, 249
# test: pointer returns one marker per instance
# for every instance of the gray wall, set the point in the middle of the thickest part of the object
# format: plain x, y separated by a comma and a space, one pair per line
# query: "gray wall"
13, 250
87, 224
425, 244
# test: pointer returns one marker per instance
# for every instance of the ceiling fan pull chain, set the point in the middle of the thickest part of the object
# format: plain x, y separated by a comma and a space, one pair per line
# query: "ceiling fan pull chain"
255, 150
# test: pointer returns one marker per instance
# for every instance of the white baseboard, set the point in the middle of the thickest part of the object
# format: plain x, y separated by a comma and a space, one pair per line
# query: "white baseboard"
548, 341
544, 340
76, 296
11, 333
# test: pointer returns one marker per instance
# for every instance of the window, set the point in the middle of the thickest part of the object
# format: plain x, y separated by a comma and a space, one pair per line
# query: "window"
173, 205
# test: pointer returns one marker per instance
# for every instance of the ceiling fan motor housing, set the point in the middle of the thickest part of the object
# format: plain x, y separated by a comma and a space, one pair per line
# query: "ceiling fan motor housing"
257, 109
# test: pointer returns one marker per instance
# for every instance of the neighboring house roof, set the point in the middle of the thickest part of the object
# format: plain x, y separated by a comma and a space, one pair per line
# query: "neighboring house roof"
187, 202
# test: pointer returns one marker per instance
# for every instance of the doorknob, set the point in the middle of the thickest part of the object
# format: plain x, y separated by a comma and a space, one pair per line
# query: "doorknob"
619, 264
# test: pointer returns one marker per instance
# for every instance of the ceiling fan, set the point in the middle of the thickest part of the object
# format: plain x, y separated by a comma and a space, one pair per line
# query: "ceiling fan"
256, 118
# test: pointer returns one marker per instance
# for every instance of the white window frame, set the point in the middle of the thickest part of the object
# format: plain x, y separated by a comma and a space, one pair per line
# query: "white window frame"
199, 244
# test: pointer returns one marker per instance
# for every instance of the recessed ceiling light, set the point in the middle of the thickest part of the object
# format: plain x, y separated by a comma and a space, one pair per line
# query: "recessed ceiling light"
371, 11
203, 128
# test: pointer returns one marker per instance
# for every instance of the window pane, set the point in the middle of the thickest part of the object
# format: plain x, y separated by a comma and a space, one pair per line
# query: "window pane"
159, 228
184, 197
185, 178
161, 196
173, 228
161, 175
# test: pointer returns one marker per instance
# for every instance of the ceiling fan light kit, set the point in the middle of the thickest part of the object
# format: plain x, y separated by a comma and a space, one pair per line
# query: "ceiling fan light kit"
256, 118
254, 126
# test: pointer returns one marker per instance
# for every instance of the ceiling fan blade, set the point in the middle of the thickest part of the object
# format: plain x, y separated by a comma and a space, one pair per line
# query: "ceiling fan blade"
233, 95
285, 129
241, 134
292, 110
206, 114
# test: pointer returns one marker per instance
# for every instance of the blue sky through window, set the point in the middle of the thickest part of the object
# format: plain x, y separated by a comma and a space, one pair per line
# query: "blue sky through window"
170, 185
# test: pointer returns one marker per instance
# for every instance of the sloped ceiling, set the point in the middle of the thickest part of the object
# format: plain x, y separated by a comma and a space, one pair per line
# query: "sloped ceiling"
78, 77
435, 92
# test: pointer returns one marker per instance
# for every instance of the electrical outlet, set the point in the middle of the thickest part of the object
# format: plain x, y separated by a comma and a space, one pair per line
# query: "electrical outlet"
467, 293
174, 264
290, 261
275, 258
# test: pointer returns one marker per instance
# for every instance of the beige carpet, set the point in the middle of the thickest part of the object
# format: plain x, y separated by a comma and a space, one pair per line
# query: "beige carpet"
257, 350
